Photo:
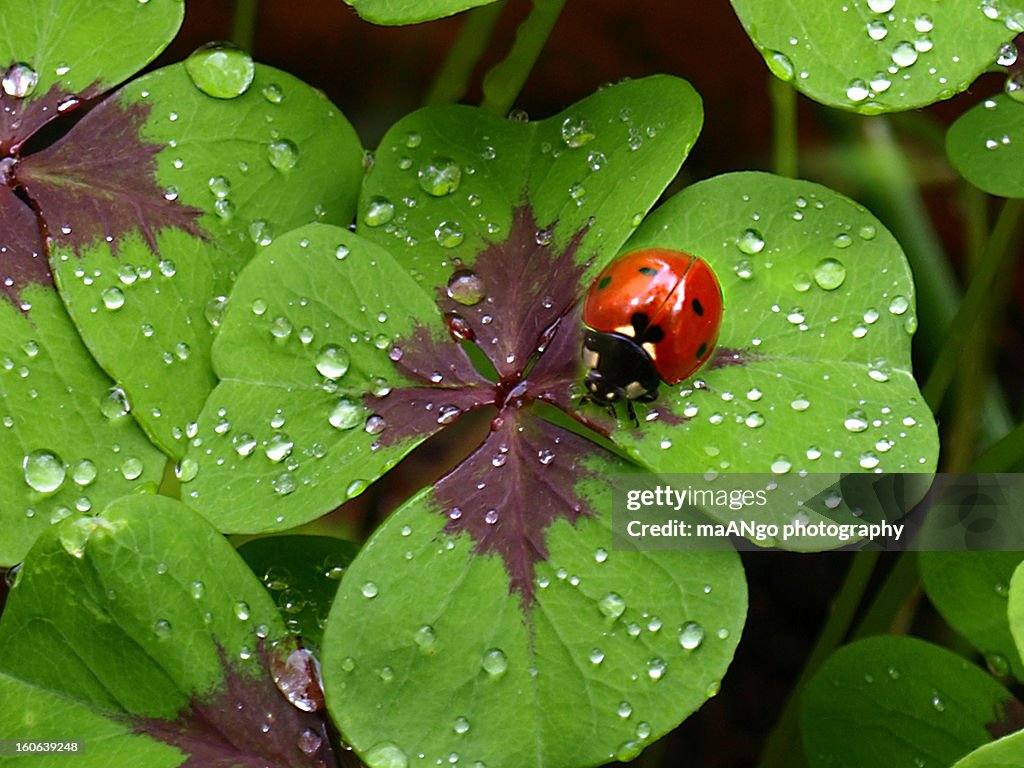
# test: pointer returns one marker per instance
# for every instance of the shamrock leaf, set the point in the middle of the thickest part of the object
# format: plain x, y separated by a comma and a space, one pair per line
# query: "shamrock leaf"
118, 633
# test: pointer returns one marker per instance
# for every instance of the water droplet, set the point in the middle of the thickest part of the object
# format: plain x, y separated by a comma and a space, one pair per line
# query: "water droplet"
369, 590
494, 662
115, 404
829, 274
386, 755
466, 287
460, 726
448, 234
781, 465
596, 656
346, 414
186, 470
279, 447
131, 468
998, 664
857, 90
20, 81
842, 240
577, 131
750, 242
904, 54
162, 628
426, 639
220, 70
624, 710
44, 471
273, 93
284, 484
691, 636
242, 611
881, 6
899, 305
1014, 86
754, 420
656, 668
937, 703
440, 176
283, 154
600, 555
260, 232
868, 460
379, 211
112, 297
856, 421
779, 65
877, 30
612, 605
332, 362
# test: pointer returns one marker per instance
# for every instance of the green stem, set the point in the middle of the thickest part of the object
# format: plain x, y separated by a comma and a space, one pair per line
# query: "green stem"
1004, 455
888, 186
504, 81
782, 749
243, 23
784, 125
996, 259
892, 600
452, 80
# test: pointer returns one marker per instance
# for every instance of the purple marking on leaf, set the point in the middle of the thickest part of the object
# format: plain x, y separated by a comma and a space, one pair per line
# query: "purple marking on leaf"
22, 255
527, 287
248, 723
512, 488
99, 181
450, 387
726, 356
20, 119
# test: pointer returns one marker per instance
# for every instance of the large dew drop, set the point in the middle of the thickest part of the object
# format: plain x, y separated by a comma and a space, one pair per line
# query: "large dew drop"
386, 755
439, 177
44, 471
332, 362
220, 70
20, 81
466, 287
576, 131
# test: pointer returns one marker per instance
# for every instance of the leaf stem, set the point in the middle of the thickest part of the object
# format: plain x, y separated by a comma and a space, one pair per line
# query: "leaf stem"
782, 750
504, 81
784, 127
243, 23
1004, 455
453, 78
892, 601
997, 257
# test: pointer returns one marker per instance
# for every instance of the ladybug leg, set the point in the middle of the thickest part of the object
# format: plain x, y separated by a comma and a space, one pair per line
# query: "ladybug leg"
632, 413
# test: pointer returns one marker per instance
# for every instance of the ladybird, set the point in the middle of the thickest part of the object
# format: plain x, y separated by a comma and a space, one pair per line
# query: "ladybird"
651, 315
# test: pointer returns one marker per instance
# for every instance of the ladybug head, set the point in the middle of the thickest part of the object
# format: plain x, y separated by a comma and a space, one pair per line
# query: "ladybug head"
617, 369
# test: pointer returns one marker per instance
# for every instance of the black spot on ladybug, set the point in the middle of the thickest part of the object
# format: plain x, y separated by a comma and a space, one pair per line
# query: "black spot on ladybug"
639, 321
654, 334
649, 271
701, 350
603, 282
697, 307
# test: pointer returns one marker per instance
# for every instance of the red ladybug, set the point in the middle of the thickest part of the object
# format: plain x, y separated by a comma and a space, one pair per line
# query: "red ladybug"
651, 315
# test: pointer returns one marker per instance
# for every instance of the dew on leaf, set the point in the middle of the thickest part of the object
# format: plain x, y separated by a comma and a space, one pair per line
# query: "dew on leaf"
386, 755
612, 605
857, 90
624, 710
20, 80
273, 93
494, 662
186, 470
881, 6
220, 70
113, 298
426, 639
332, 362
466, 287
856, 421
284, 484
379, 211
283, 154
346, 414
44, 471
596, 656
460, 725
131, 468
114, 404
162, 628
279, 447
829, 274
904, 54
750, 242
691, 636
440, 176
656, 668
577, 131
369, 590
779, 65
260, 232
448, 234
780, 465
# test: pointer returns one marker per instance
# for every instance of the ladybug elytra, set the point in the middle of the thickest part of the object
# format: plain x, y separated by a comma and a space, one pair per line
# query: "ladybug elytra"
651, 315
